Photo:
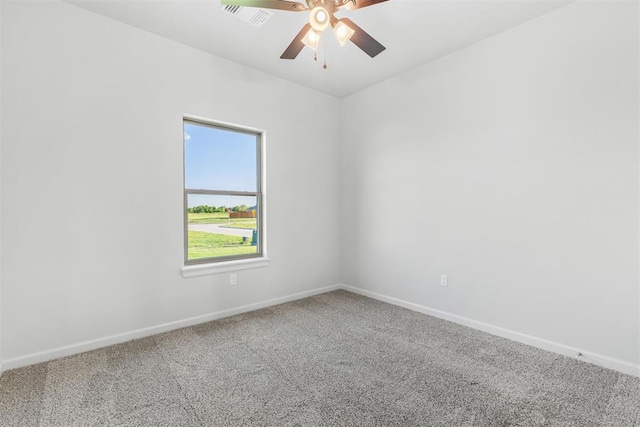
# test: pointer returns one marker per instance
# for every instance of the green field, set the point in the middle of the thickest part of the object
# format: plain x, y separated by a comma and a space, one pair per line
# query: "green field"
221, 218
207, 245
207, 218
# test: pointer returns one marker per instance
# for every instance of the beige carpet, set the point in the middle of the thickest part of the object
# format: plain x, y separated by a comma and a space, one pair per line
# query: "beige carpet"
334, 359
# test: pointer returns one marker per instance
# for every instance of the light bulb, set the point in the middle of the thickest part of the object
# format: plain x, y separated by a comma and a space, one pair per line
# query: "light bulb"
319, 18
343, 32
311, 39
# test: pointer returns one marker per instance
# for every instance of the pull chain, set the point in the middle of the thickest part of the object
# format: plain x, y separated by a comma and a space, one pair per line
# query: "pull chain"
315, 52
324, 49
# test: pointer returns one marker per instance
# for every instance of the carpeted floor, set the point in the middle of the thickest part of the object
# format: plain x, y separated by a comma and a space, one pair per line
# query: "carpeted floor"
333, 359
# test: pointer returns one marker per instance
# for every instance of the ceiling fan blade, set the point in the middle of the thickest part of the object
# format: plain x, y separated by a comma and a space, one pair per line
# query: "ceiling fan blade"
359, 4
268, 4
363, 40
296, 45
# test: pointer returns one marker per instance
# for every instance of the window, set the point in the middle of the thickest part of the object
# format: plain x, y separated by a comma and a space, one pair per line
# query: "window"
222, 193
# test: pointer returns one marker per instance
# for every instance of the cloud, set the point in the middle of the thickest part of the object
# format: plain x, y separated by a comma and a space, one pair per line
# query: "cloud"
187, 136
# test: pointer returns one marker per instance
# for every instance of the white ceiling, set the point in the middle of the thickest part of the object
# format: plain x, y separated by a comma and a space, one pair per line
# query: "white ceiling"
413, 31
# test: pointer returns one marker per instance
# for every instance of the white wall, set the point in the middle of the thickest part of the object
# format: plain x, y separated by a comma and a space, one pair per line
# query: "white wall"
511, 166
1, 187
92, 191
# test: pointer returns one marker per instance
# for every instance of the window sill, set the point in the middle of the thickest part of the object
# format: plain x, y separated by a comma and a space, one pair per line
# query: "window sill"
223, 267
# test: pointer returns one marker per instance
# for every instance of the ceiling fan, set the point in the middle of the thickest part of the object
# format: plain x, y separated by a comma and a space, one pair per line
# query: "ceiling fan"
321, 16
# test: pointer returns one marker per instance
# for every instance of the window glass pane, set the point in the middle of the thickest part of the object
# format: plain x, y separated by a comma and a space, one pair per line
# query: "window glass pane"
221, 226
219, 159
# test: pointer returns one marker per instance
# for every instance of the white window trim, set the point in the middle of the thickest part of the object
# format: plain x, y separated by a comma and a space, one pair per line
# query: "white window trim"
197, 270
207, 269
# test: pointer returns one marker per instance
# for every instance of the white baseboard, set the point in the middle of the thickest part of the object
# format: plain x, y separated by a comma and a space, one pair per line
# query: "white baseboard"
594, 358
70, 350
554, 347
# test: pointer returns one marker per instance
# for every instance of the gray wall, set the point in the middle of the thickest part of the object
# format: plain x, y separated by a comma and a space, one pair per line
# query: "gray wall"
511, 166
92, 193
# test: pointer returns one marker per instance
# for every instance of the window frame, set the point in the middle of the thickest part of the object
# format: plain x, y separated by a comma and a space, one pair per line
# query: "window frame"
230, 262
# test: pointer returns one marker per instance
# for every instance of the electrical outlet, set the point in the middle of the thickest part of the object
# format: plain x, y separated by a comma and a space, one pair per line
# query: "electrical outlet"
444, 280
233, 279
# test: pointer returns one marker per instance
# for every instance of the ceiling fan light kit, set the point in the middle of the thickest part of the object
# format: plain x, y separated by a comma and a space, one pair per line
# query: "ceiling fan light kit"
343, 32
321, 16
311, 39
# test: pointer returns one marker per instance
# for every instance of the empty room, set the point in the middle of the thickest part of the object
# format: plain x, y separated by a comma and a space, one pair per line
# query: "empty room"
319, 213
